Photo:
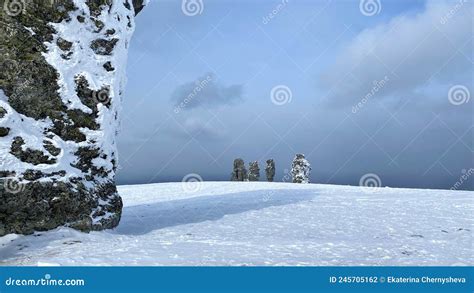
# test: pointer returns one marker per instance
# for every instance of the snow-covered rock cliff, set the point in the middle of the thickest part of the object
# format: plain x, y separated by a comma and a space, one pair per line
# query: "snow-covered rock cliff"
62, 75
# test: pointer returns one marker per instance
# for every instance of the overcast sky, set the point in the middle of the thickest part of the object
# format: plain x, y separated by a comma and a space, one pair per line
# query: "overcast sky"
383, 89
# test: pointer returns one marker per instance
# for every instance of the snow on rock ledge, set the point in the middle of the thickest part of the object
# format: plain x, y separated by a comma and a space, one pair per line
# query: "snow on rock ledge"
62, 74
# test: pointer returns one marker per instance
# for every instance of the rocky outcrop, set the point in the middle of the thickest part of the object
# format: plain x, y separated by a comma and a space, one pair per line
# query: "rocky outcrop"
239, 172
270, 170
300, 169
254, 171
60, 94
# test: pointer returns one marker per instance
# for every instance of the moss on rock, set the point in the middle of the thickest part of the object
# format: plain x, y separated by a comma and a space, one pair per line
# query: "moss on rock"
34, 199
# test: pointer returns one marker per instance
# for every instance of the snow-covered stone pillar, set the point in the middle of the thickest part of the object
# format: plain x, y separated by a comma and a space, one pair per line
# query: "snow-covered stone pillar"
300, 169
270, 170
254, 171
62, 75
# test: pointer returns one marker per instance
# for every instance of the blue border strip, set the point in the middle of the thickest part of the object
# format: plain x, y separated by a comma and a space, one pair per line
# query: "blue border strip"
236, 279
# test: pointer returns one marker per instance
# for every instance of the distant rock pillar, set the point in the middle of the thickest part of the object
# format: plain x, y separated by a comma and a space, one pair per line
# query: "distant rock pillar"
270, 170
239, 172
300, 169
254, 171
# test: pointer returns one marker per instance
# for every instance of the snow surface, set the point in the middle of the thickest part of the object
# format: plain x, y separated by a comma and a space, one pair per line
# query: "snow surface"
256, 223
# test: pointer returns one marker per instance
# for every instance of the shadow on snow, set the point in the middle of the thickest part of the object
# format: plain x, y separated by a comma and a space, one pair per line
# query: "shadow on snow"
142, 219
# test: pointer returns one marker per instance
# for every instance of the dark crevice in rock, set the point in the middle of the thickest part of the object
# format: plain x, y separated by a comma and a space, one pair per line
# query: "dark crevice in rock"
51, 148
98, 24
82, 119
4, 131
103, 46
127, 5
6, 173
89, 97
97, 6
86, 155
31, 175
67, 130
34, 157
110, 32
63, 44
108, 66
3, 112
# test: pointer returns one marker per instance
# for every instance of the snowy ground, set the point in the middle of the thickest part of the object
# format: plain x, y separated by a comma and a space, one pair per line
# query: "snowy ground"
265, 224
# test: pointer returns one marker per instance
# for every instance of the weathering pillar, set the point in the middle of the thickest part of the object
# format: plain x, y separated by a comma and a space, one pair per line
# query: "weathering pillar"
62, 75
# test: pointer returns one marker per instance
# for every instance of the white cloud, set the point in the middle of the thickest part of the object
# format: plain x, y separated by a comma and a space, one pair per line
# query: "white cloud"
413, 51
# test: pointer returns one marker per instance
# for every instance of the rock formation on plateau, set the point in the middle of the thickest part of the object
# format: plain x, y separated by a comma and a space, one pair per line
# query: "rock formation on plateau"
254, 171
62, 76
270, 170
300, 169
239, 173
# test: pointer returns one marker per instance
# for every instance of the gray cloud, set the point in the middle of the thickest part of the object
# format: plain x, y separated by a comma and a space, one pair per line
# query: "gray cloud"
205, 91
198, 128
410, 52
